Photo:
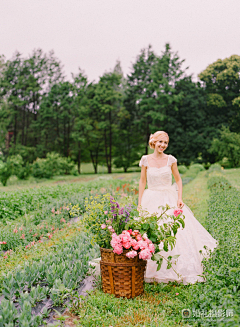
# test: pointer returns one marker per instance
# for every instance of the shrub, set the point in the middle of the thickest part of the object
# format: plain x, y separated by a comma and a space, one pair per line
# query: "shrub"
52, 165
182, 169
18, 168
227, 147
5, 172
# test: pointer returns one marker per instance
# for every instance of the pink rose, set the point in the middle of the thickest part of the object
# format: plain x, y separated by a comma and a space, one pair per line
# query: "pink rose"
131, 254
145, 254
126, 245
142, 244
118, 249
115, 241
151, 247
139, 237
103, 226
53, 210
177, 212
105, 212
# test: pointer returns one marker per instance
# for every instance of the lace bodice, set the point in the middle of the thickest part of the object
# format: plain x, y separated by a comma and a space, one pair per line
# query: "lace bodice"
158, 178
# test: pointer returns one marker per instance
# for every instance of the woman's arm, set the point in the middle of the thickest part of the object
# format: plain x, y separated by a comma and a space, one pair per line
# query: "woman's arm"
142, 184
178, 180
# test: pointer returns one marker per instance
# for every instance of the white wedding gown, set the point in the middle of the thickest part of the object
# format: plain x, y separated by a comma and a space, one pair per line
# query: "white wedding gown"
190, 239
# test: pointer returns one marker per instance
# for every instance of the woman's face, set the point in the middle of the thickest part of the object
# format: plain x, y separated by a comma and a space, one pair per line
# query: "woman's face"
161, 144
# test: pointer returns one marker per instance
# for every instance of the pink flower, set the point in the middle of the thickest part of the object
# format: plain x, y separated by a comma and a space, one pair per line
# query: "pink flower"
22, 237
40, 241
130, 231
35, 235
142, 244
50, 235
103, 226
27, 246
62, 220
3, 242
135, 245
177, 293
52, 228
139, 237
145, 254
115, 241
57, 212
177, 212
53, 210
15, 230
105, 212
5, 257
126, 245
131, 254
151, 247
118, 249
20, 228
135, 232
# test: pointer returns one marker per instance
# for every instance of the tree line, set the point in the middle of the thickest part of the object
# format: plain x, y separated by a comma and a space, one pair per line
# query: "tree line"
109, 121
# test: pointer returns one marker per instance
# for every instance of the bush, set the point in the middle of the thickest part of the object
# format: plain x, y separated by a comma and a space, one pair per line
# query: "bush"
227, 147
5, 172
40, 169
53, 165
18, 168
182, 169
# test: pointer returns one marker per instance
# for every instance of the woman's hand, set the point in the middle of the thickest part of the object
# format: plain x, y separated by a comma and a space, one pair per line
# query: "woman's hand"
180, 203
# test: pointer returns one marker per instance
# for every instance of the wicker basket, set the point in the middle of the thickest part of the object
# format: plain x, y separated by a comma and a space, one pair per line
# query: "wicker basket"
121, 276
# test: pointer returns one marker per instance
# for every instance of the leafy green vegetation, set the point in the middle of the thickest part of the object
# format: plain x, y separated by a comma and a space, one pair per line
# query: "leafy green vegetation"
54, 276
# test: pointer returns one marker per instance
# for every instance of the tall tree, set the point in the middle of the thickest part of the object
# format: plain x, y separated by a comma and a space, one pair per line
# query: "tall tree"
221, 81
152, 84
107, 101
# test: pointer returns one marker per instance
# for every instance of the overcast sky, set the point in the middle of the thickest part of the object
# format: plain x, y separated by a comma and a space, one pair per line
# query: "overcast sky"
93, 34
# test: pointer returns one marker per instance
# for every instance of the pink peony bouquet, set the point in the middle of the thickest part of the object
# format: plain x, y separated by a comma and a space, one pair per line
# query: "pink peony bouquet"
120, 228
132, 241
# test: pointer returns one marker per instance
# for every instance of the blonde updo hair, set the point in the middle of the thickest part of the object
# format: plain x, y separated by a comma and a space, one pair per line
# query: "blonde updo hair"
155, 137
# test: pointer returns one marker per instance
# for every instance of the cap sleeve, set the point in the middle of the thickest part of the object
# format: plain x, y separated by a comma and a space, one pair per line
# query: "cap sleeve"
143, 161
171, 160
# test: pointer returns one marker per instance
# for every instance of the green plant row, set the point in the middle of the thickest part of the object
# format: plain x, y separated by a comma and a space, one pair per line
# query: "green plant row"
54, 276
221, 291
15, 204
51, 217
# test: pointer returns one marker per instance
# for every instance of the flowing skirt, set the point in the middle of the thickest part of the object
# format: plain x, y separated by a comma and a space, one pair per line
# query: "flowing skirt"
189, 241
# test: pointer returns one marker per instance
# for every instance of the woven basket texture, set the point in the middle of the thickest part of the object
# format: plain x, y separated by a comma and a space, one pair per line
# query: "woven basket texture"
121, 276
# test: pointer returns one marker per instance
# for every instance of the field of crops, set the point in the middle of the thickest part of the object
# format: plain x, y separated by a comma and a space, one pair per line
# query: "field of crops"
45, 257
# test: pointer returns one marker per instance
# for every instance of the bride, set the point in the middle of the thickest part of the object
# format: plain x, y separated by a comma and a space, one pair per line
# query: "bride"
157, 170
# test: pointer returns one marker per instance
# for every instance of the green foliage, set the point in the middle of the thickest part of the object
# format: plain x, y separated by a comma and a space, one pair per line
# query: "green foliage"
222, 84
182, 169
100, 209
60, 272
222, 286
5, 172
227, 147
54, 164
192, 172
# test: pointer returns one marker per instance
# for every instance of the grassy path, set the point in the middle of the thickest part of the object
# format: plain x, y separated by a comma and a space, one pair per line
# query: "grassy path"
233, 175
195, 195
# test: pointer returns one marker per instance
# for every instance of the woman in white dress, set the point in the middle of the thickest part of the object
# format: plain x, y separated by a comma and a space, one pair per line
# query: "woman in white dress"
157, 170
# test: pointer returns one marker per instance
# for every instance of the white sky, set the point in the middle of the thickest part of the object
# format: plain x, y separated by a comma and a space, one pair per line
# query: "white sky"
93, 34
